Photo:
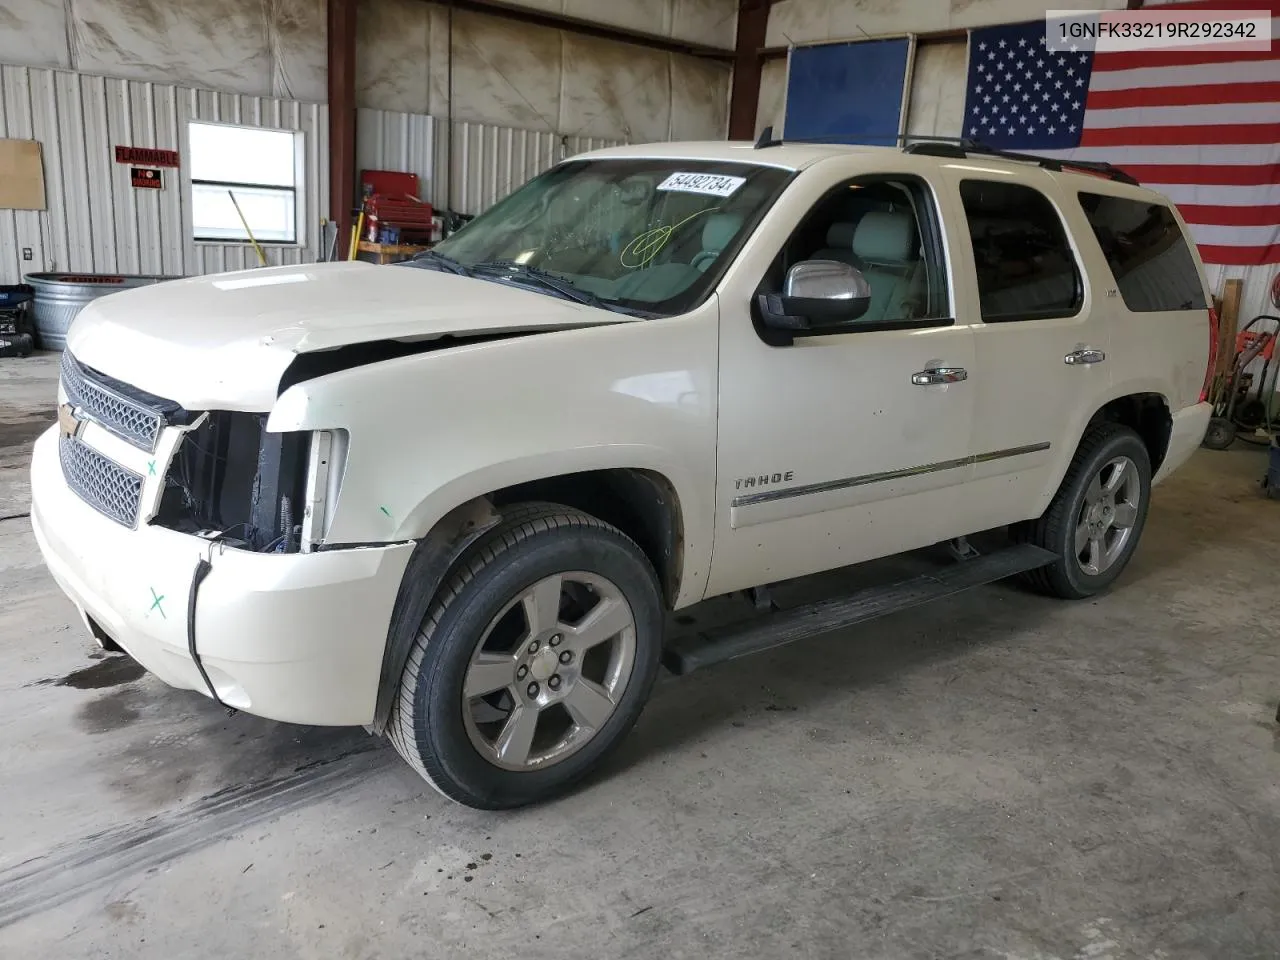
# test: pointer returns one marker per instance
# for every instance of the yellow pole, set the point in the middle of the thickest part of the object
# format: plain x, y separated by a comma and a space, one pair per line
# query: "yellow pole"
262, 257
356, 229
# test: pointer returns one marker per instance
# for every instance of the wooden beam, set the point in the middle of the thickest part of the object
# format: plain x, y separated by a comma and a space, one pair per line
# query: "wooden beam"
744, 95
1228, 324
342, 116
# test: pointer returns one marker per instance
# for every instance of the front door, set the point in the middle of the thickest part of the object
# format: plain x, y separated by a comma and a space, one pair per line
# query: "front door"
845, 447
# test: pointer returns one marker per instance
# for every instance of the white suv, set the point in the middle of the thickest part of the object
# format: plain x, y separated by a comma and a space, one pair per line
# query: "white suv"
452, 500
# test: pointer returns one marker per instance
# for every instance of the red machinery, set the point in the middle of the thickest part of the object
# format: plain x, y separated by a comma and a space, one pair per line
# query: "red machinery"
1237, 406
393, 208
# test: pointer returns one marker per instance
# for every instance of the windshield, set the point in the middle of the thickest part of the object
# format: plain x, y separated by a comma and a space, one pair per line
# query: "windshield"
646, 235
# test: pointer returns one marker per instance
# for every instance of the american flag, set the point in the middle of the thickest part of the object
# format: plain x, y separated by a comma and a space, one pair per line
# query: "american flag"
1200, 126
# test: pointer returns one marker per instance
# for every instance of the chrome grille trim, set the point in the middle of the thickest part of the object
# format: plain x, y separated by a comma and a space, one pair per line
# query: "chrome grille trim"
130, 420
109, 488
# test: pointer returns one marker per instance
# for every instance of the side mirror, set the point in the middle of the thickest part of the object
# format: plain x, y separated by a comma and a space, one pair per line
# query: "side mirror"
819, 296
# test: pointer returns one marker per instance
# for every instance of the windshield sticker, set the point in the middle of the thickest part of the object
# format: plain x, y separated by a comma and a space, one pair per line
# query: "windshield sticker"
712, 184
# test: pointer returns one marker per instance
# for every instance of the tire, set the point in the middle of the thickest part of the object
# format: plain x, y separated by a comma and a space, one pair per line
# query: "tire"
1251, 414
1220, 434
1080, 573
480, 628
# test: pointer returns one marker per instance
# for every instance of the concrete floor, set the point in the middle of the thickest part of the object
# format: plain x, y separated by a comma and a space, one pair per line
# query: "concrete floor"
995, 776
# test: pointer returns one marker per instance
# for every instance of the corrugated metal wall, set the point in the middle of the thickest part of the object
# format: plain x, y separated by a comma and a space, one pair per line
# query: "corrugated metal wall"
1256, 296
97, 222
488, 161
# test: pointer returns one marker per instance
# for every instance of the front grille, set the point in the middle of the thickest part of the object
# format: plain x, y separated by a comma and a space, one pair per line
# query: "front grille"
104, 485
130, 419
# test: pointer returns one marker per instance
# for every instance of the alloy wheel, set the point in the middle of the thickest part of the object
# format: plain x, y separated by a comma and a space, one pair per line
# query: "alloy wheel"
1107, 516
549, 671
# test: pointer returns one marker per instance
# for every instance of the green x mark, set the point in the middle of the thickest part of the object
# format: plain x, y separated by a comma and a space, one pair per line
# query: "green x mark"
151, 468
155, 602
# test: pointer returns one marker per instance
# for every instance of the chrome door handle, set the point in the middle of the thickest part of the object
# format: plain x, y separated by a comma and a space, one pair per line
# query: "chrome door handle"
939, 375
1077, 357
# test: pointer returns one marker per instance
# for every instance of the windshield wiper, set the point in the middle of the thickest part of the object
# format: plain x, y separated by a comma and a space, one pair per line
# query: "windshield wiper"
432, 259
541, 278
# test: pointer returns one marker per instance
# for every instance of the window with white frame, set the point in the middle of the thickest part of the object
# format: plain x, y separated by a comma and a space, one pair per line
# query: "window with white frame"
255, 168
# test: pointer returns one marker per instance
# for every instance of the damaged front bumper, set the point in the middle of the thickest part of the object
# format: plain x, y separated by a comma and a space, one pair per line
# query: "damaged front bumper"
290, 636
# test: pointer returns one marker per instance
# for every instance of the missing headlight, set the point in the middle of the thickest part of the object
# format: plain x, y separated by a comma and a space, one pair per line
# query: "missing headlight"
233, 476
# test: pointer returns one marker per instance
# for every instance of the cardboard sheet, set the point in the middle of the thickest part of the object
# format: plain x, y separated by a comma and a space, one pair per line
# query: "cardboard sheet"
21, 175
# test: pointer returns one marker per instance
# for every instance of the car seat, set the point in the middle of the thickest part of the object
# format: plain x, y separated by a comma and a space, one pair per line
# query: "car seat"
839, 244
886, 249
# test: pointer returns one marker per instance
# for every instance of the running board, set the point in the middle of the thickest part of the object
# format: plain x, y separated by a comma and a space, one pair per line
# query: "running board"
691, 652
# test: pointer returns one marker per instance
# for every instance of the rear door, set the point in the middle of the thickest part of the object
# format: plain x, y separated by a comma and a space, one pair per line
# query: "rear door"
1042, 336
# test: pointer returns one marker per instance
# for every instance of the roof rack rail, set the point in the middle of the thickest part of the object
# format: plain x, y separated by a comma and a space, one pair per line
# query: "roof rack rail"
961, 148
767, 139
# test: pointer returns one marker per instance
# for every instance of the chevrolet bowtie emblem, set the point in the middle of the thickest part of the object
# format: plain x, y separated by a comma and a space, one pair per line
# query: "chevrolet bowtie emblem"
68, 423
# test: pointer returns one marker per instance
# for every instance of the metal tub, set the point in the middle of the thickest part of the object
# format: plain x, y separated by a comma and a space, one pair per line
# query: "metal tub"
60, 296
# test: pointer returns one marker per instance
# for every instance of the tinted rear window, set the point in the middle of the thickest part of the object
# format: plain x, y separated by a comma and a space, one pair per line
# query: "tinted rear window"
1148, 254
1026, 268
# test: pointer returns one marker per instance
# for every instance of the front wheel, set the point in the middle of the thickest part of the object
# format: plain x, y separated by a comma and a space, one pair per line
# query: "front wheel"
533, 661
1095, 519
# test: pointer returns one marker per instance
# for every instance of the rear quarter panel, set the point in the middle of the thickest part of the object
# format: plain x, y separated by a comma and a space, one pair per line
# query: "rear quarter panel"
1162, 351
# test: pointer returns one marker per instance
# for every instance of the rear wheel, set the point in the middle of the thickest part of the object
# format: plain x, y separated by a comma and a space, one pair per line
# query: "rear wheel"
533, 661
1096, 518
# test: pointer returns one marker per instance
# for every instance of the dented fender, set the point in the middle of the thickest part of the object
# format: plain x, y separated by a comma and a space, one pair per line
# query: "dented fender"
433, 430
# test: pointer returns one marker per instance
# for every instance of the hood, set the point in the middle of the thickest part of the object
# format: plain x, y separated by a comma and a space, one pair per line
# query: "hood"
222, 342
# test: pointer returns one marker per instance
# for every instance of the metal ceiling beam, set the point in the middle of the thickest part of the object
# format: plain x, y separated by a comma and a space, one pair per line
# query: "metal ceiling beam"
587, 28
928, 37
342, 116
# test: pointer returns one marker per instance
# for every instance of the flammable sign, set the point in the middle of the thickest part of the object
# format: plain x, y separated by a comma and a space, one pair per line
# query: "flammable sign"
144, 178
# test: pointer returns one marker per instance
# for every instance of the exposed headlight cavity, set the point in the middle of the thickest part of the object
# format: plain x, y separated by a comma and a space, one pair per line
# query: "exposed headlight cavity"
232, 478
